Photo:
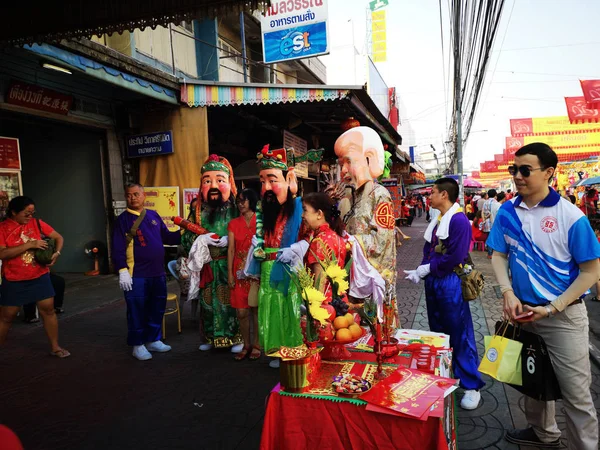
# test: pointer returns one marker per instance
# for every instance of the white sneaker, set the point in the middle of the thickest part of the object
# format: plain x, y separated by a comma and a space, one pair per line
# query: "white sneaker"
470, 400
140, 352
158, 346
274, 364
237, 348
205, 347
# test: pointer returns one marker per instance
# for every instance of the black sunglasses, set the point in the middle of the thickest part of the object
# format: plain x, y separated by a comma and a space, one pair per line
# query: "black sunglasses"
523, 170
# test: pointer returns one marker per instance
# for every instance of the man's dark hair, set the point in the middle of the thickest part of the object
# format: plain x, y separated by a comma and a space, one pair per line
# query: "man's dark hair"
500, 196
508, 191
492, 193
448, 185
544, 152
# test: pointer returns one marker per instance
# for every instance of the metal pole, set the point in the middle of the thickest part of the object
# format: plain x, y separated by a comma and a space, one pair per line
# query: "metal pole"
243, 38
459, 157
172, 52
458, 102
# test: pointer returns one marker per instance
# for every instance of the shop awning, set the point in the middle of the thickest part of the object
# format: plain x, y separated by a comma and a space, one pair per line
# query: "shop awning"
247, 94
27, 23
320, 107
109, 74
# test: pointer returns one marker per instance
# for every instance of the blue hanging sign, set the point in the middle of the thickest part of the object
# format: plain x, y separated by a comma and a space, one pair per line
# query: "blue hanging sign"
152, 144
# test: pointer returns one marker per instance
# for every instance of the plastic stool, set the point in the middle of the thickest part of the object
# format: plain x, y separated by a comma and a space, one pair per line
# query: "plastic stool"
480, 245
172, 310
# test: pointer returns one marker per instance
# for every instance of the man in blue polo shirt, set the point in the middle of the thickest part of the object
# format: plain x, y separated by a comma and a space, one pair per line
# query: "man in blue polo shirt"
552, 253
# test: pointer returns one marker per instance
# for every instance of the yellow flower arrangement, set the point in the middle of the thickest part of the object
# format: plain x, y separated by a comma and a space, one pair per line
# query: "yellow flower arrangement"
338, 276
315, 299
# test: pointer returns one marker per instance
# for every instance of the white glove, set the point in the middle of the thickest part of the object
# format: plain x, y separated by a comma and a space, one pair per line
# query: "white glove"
411, 275
125, 281
254, 241
222, 242
208, 239
294, 254
423, 270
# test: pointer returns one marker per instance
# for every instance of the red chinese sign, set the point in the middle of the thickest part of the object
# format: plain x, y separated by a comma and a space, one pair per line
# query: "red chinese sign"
499, 158
36, 97
10, 157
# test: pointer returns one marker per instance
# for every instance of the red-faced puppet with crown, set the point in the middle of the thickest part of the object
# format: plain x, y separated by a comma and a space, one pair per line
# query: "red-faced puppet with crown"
279, 186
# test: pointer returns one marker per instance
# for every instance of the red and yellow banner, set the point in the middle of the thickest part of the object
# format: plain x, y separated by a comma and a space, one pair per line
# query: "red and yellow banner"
537, 126
580, 112
591, 92
560, 143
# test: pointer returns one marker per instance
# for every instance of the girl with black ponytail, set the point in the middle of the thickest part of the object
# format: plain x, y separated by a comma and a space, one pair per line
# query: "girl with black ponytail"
322, 216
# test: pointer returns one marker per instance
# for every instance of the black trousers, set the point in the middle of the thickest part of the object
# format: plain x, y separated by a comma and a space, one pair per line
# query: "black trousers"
58, 283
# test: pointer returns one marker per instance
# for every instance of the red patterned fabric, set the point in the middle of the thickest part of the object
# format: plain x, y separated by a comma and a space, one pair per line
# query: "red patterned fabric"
273, 240
325, 240
242, 234
12, 234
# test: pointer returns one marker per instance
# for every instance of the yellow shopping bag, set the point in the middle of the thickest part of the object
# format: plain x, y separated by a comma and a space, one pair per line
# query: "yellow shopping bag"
502, 358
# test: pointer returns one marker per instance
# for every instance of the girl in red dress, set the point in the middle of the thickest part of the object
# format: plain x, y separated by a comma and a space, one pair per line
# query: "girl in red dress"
323, 218
240, 232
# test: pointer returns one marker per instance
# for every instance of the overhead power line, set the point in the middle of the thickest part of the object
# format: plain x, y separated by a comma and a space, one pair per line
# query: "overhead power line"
473, 29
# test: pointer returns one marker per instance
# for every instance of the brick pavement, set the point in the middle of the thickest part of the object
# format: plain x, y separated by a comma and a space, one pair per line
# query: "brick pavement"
102, 398
502, 406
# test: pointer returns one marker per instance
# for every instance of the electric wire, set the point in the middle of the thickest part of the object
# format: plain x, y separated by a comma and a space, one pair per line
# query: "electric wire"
473, 29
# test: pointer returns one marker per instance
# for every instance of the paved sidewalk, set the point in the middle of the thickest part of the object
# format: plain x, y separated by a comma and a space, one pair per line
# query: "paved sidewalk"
102, 398
502, 406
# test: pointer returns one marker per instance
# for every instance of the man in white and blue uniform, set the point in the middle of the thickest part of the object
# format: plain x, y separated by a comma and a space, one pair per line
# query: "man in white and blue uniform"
552, 253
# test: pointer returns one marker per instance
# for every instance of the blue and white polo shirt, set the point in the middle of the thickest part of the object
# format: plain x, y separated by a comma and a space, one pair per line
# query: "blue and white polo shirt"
545, 245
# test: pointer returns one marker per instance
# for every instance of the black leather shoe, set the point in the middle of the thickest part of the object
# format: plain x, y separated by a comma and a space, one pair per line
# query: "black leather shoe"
528, 437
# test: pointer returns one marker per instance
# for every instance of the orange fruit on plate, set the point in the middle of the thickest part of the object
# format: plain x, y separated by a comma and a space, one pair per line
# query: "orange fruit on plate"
355, 330
343, 334
350, 318
340, 322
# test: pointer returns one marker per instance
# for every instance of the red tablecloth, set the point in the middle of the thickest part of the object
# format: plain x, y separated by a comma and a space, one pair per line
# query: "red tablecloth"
303, 423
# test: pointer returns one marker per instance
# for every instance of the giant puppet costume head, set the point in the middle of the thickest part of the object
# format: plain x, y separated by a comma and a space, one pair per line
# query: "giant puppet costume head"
360, 154
216, 186
277, 179
278, 183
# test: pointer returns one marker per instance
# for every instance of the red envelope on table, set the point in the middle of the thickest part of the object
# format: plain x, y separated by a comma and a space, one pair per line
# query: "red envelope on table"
409, 391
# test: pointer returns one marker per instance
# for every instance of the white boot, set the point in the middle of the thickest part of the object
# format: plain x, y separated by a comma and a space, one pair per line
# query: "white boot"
158, 346
205, 347
140, 352
470, 400
237, 348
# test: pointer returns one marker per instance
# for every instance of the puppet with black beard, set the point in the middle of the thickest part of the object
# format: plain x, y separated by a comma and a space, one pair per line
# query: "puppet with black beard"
215, 204
271, 208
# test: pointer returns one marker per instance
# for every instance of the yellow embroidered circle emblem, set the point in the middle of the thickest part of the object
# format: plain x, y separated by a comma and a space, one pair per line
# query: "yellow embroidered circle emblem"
384, 215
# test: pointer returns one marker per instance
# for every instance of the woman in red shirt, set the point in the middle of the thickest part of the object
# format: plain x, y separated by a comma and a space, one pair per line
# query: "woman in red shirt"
240, 232
24, 280
323, 218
